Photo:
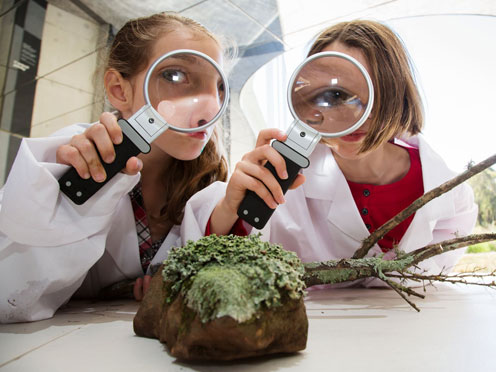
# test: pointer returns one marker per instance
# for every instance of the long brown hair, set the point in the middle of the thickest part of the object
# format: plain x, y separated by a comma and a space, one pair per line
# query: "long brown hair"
397, 105
129, 55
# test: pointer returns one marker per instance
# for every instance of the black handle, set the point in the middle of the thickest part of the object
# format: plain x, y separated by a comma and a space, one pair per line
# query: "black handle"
79, 190
253, 209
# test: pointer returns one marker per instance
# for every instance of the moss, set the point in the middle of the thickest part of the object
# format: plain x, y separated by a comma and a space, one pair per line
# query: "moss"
336, 276
219, 291
233, 276
332, 272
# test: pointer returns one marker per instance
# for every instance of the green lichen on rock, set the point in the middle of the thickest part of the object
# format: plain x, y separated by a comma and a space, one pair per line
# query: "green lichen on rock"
213, 285
233, 276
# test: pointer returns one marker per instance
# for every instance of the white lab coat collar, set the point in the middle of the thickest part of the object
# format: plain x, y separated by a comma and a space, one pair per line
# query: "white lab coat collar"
325, 181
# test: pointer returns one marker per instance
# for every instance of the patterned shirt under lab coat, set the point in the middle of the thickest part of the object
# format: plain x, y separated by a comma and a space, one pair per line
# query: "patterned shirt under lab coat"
49, 247
320, 220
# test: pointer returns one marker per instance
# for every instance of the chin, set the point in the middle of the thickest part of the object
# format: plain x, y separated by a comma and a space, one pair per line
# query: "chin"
347, 151
191, 155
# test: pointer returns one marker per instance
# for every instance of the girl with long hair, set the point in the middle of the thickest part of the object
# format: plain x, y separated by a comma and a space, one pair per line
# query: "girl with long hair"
51, 248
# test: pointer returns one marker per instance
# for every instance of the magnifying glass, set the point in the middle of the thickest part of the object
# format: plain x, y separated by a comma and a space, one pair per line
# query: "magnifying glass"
184, 90
330, 95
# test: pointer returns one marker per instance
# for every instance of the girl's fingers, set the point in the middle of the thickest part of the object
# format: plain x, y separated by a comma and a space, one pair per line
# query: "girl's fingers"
262, 154
86, 151
101, 138
133, 166
265, 136
89, 153
299, 180
69, 155
263, 181
114, 130
146, 284
138, 289
245, 182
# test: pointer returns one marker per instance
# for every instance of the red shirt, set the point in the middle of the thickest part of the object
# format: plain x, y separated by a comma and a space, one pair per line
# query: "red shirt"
379, 203
237, 229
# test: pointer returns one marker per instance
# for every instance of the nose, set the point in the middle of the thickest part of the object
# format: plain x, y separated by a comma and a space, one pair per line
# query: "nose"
206, 107
306, 112
313, 117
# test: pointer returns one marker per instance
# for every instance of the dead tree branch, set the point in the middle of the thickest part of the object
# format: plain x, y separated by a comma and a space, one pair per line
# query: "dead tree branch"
351, 269
428, 251
377, 235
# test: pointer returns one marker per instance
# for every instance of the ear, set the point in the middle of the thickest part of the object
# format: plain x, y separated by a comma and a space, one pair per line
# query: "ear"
119, 91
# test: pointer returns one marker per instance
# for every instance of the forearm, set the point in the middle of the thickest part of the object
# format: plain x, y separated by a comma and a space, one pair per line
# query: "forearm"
223, 218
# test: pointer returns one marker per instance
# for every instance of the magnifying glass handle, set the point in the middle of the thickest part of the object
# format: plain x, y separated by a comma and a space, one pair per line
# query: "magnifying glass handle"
79, 190
253, 209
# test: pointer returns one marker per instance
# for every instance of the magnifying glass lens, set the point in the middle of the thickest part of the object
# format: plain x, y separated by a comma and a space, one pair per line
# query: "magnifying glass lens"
330, 94
187, 91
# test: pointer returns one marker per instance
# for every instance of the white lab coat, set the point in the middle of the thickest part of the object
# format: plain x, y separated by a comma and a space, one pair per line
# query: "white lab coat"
50, 247
320, 220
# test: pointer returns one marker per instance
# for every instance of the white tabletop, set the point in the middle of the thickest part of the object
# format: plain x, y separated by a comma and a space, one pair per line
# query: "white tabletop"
349, 330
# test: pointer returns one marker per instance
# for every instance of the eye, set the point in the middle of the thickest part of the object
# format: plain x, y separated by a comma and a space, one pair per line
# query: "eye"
174, 76
332, 98
221, 91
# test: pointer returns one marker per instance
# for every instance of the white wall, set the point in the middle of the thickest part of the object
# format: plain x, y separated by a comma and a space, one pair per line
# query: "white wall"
66, 91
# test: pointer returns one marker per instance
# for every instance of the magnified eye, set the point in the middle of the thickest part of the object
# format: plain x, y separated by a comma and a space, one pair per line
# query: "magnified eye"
222, 90
335, 97
174, 76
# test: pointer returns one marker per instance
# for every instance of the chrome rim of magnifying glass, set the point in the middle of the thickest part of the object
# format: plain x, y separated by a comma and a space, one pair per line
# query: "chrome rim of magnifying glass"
199, 54
365, 74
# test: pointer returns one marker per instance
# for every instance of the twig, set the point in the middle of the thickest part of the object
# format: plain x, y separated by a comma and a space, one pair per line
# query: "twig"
399, 289
373, 238
429, 251
458, 278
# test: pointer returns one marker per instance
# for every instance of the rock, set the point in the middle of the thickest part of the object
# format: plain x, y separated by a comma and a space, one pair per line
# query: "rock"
220, 313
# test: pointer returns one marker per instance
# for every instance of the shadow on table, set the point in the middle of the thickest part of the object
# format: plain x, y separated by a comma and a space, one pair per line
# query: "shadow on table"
346, 303
266, 363
79, 312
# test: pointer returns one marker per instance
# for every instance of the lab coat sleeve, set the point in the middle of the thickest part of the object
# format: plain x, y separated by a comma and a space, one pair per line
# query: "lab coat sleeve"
172, 240
198, 210
47, 243
458, 225
451, 215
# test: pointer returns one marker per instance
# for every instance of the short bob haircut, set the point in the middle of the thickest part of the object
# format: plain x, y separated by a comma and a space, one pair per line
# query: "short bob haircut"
397, 107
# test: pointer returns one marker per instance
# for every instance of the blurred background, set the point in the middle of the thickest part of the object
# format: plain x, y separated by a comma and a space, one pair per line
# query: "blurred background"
52, 51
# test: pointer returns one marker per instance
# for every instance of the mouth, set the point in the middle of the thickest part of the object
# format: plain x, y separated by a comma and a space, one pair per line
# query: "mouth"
198, 135
354, 137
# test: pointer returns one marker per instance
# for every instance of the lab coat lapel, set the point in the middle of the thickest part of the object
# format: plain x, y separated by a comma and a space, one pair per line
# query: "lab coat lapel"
124, 250
325, 181
434, 173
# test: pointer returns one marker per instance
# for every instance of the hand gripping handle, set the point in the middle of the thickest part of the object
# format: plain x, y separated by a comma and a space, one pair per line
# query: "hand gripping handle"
79, 190
253, 209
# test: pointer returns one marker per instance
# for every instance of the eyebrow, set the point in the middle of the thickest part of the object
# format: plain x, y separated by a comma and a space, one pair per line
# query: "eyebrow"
185, 57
